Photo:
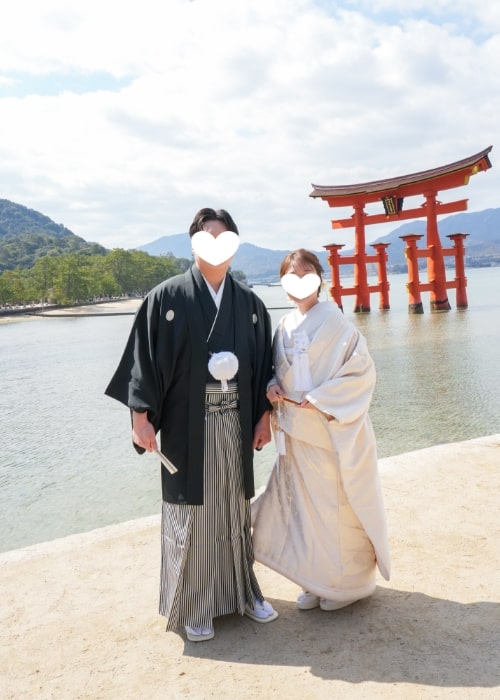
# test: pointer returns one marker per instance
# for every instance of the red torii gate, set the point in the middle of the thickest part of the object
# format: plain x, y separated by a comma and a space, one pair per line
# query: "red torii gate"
392, 193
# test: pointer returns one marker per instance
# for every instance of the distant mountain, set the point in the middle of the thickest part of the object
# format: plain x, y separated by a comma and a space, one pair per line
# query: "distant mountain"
26, 235
261, 265
16, 219
178, 245
482, 227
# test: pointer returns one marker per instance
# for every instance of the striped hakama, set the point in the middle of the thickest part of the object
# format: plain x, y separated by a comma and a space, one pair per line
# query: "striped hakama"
207, 551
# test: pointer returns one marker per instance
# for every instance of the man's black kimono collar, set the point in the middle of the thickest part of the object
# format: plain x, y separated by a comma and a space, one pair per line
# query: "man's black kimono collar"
220, 327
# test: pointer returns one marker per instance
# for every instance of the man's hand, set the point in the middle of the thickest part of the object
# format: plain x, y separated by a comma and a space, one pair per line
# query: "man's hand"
143, 432
262, 432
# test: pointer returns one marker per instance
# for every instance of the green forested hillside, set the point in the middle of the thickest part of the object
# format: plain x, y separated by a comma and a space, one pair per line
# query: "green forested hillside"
26, 236
42, 262
25, 249
16, 219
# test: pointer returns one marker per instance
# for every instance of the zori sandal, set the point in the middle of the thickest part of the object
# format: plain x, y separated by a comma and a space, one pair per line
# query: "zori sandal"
261, 612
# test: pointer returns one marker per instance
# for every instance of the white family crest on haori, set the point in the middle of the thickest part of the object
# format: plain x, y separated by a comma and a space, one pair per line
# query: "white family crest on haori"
302, 380
300, 287
223, 366
215, 250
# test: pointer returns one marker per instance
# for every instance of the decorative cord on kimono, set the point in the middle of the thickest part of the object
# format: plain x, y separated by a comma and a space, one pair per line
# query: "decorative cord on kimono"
279, 435
301, 373
222, 365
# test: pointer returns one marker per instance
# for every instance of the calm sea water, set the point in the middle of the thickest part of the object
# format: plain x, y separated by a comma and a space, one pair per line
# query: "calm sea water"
67, 464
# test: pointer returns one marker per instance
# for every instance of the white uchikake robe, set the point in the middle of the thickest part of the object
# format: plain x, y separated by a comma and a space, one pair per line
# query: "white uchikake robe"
321, 521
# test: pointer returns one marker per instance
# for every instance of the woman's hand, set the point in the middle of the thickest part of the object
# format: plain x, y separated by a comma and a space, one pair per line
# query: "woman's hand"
275, 393
143, 432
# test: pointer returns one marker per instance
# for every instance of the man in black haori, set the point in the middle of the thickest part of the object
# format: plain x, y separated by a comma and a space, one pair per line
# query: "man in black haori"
195, 368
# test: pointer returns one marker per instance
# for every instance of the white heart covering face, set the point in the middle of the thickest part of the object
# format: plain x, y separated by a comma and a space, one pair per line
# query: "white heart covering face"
300, 287
215, 250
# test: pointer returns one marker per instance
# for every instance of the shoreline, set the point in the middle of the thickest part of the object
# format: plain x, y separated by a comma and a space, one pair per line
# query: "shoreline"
113, 307
79, 614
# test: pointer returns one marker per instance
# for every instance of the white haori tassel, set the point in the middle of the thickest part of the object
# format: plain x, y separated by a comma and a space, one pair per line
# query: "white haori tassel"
223, 366
280, 442
302, 380
280, 435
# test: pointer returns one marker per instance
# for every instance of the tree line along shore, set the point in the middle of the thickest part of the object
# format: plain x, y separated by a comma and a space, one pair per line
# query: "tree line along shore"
78, 278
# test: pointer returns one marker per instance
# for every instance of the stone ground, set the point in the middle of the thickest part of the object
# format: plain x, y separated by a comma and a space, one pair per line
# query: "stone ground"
78, 615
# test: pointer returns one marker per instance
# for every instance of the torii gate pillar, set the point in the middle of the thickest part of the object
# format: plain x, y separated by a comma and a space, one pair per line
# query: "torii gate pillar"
460, 278
362, 299
436, 271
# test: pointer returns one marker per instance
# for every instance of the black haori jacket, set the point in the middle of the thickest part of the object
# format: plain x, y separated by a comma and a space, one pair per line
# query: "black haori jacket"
163, 371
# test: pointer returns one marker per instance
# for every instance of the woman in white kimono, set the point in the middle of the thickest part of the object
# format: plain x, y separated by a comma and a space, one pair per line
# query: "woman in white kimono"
321, 521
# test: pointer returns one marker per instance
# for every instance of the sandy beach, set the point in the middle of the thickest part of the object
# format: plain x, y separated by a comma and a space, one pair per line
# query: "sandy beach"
113, 307
79, 614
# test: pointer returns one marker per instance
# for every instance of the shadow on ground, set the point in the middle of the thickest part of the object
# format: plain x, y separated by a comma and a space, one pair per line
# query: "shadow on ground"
394, 636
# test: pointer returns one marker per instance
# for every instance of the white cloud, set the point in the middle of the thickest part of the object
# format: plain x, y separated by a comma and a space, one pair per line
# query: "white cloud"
239, 105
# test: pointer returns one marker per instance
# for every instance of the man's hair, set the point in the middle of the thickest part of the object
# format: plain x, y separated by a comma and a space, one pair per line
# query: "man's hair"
208, 214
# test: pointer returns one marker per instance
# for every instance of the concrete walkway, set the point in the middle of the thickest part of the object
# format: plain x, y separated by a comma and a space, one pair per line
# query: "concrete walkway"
78, 615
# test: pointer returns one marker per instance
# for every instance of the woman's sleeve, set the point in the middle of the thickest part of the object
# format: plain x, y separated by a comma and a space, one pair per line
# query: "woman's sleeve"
347, 394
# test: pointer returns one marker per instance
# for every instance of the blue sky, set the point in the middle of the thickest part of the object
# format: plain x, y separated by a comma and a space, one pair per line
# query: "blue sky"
20, 85
455, 15
120, 120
